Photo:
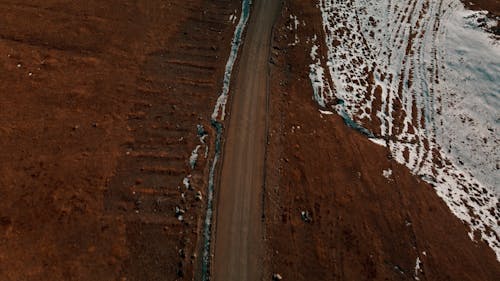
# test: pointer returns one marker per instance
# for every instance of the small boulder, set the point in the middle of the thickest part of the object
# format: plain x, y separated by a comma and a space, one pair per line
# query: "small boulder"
306, 216
277, 277
198, 196
179, 212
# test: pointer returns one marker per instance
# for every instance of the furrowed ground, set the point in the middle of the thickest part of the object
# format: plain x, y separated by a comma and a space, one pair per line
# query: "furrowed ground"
100, 104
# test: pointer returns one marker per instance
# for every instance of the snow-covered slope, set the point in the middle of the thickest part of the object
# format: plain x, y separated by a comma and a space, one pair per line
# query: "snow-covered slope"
422, 76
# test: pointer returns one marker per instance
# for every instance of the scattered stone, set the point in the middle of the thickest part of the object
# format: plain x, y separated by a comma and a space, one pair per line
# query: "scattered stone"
187, 183
398, 269
306, 216
387, 173
181, 253
178, 213
198, 196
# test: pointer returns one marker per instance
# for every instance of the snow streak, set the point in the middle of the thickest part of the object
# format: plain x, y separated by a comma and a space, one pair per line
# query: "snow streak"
218, 117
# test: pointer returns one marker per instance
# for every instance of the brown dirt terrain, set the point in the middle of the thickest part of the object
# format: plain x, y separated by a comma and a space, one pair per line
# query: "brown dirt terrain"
358, 224
99, 105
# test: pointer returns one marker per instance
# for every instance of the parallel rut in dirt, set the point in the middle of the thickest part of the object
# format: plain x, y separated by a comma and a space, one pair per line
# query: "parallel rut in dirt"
169, 113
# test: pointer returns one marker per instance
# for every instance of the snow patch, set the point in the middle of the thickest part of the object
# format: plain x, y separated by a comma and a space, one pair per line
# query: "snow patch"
194, 157
293, 26
220, 107
380, 142
387, 173
325, 112
187, 182
233, 17
418, 269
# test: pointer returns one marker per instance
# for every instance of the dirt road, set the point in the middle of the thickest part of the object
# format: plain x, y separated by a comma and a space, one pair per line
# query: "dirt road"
238, 237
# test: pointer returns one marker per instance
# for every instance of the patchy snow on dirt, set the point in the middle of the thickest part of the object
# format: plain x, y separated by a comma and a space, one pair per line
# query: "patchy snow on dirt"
293, 25
187, 182
321, 87
220, 107
233, 17
326, 112
378, 141
423, 76
387, 173
194, 157
418, 269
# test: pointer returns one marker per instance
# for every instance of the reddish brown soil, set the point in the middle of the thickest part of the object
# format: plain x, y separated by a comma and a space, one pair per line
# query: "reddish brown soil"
99, 104
363, 225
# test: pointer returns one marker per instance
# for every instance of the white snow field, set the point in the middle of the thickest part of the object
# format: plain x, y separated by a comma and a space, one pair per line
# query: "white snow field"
422, 77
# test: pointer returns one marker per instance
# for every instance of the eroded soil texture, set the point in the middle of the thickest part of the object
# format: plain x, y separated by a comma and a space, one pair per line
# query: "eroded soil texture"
104, 135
